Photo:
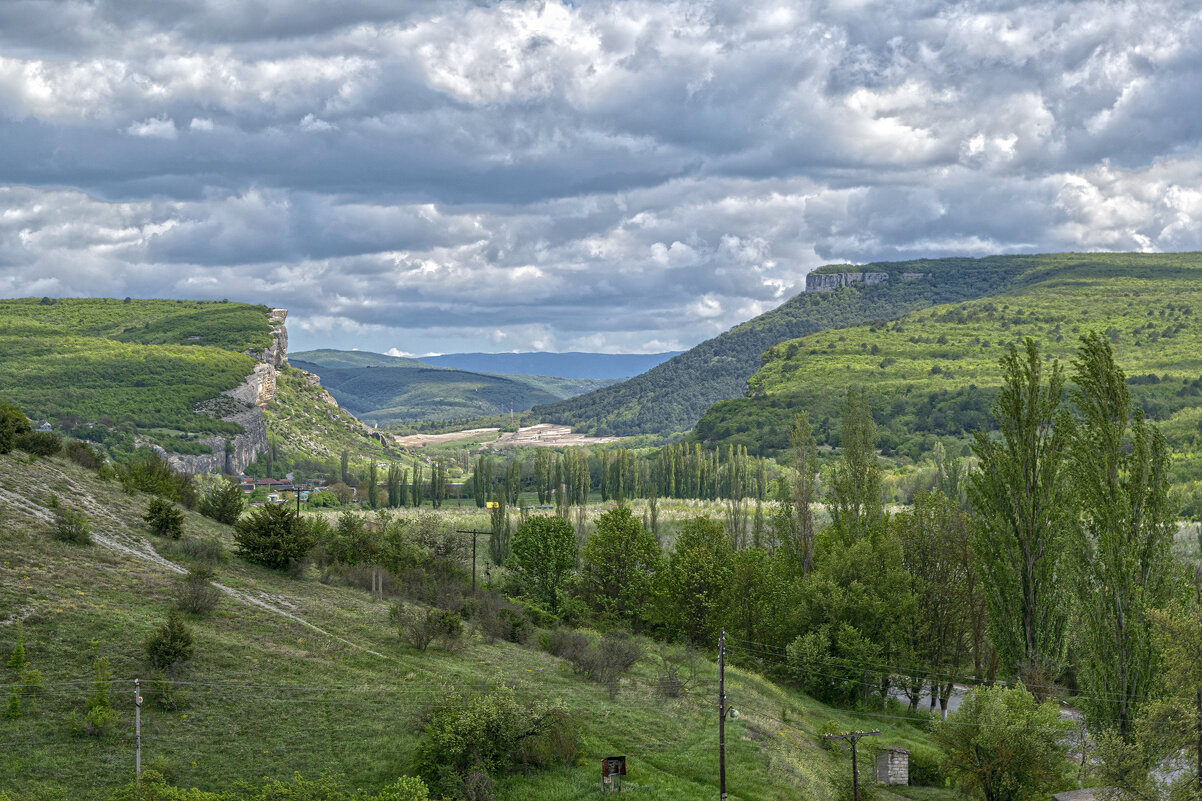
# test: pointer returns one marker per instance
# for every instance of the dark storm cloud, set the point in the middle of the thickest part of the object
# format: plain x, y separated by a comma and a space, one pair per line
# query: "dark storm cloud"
612, 175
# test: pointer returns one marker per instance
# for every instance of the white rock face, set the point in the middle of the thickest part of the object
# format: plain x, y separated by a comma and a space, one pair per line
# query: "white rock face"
824, 282
253, 395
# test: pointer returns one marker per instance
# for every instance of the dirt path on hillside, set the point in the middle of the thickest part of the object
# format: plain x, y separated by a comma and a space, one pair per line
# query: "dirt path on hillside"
131, 545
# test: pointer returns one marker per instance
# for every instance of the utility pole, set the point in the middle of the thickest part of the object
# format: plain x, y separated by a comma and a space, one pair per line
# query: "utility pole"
855, 771
722, 715
723, 711
138, 735
474, 534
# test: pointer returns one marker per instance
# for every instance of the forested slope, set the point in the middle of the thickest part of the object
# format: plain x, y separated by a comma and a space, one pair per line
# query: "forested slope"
668, 399
933, 373
388, 390
140, 363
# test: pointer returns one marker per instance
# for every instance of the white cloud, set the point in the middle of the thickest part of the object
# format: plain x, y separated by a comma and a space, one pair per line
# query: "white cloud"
157, 127
604, 176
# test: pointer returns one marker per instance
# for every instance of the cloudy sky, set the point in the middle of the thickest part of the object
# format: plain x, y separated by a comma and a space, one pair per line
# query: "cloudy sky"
611, 175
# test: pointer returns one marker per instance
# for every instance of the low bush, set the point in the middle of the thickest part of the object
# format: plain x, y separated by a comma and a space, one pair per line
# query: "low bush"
420, 627
99, 715
83, 454
167, 695
195, 593
38, 443
71, 526
927, 767
470, 738
603, 662
564, 643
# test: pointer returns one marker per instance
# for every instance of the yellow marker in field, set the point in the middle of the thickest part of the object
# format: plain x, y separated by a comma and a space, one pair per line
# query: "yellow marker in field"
491, 505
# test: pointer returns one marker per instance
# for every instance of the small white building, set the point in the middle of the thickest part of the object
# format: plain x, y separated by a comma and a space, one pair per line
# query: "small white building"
893, 766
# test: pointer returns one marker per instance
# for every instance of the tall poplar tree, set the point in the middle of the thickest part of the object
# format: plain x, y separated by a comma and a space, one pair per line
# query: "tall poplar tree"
856, 499
1021, 499
804, 486
1120, 470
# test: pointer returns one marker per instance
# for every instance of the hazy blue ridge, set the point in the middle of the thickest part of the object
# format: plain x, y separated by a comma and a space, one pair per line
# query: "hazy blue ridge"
563, 365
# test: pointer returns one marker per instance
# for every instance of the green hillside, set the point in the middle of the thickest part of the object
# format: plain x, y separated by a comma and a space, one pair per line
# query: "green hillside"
668, 399
142, 362
388, 390
933, 372
305, 674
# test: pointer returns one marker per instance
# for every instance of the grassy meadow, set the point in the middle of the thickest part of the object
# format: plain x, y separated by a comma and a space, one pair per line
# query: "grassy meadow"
293, 674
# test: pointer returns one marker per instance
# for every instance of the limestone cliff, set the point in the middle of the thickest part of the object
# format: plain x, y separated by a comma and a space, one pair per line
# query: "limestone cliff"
243, 405
824, 282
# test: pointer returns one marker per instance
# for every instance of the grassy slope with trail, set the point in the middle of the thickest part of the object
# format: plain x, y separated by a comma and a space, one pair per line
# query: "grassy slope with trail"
934, 372
669, 399
269, 695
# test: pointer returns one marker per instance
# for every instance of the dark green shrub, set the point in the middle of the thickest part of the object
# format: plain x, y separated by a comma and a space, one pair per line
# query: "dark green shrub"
38, 443
164, 519
71, 526
926, 767
273, 536
149, 472
83, 454
223, 502
99, 715
171, 645
166, 694
13, 422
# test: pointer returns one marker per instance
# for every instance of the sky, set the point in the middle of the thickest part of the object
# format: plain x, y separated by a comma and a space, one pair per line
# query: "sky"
603, 175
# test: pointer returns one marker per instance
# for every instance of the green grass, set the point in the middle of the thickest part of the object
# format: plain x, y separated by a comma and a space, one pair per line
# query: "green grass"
269, 695
312, 433
130, 361
932, 373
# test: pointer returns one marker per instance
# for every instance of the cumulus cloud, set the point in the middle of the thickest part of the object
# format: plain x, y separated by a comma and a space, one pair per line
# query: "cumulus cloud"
637, 175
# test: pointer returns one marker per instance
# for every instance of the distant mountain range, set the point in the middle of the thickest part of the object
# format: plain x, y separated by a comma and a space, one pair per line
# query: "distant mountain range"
563, 365
388, 390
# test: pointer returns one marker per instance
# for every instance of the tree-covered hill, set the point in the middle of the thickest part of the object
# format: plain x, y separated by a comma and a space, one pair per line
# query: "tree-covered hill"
564, 365
668, 399
933, 372
388, 390
146, 363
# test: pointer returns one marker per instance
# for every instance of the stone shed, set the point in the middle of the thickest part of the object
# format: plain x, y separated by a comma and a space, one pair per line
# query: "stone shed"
893, 766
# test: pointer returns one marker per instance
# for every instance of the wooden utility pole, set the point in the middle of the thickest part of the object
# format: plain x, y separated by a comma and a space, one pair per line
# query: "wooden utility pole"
855, 771
722, 715
474, 534
138, 735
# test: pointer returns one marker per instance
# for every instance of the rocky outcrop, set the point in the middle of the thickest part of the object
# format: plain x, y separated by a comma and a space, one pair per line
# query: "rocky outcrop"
824, 282
276, 354
315, 381
228, 455
243, 405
